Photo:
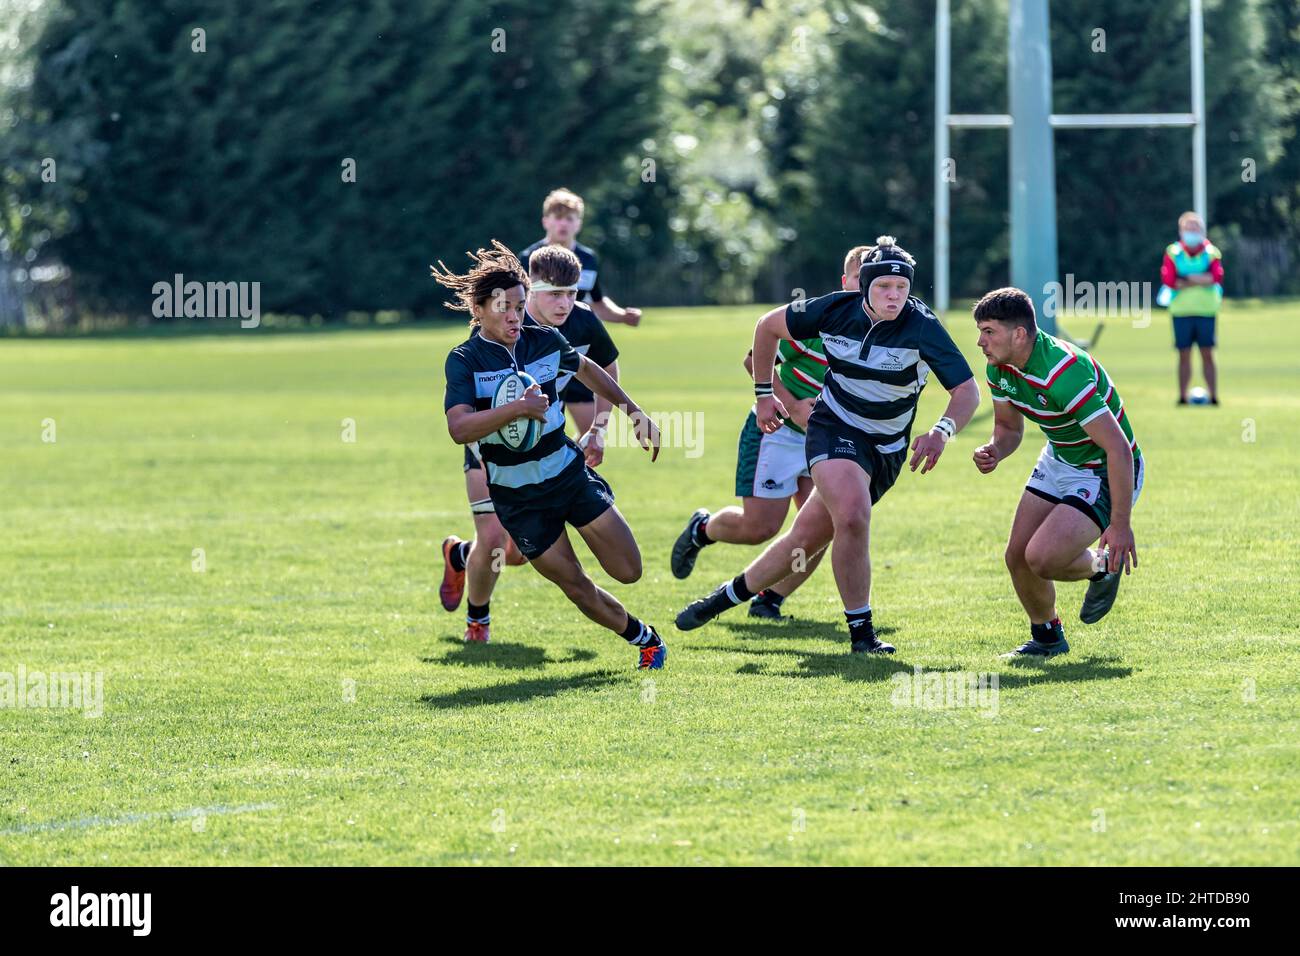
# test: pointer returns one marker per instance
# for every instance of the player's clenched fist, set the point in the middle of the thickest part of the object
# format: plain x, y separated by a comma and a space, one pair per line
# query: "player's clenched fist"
985, 458
801, 409
769, 411
535, 403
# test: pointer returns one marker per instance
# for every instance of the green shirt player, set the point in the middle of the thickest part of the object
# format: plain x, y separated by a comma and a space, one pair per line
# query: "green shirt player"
771, 469
1086, 480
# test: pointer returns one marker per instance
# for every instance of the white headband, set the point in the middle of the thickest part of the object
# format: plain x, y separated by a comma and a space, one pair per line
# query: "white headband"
540, 285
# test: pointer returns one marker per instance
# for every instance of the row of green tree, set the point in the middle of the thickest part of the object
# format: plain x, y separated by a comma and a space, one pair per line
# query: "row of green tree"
728, 150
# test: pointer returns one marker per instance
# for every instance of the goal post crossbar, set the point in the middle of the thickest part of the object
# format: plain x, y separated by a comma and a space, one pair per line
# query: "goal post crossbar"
1033, 179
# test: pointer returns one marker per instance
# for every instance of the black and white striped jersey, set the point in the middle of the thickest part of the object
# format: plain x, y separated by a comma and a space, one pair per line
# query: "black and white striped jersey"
476, 367
587, 335
877, 370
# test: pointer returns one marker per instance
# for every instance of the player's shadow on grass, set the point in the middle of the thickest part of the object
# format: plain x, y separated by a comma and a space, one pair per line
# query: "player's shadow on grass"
522, 690
853, 667
873, 667
1031, 672
759, 630
509, 656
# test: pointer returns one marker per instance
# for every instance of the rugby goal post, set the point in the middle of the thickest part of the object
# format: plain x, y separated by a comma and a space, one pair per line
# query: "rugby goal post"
1033, 163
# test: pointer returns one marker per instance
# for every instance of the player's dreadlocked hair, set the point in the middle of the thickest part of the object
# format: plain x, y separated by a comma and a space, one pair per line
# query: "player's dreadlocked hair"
494, 269
555, 265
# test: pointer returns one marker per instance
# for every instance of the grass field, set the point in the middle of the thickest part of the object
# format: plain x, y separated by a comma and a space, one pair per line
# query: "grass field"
303, 699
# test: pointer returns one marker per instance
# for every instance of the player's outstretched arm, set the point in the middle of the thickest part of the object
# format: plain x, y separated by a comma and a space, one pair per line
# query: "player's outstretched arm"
962, 401
778, 387
603, 386
593, 442
799, 408
1008, 430
768, 333
466, 425
1118, 537
607, 310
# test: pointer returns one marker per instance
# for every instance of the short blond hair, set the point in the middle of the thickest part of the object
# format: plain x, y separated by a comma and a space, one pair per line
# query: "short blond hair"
853, 259
561, 201
1189, 215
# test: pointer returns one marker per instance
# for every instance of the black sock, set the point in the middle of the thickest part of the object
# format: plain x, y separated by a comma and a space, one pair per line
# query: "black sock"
458, 555
699, 535
860, 627
637, 633
769, 597
477, 613
1048, 633
736, 591
1098, 576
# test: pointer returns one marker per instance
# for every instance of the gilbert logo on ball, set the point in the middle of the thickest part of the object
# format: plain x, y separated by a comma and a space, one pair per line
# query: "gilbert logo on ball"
523, 432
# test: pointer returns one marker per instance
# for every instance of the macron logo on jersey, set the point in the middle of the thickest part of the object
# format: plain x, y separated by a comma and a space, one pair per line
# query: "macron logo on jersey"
846, 345
485, 383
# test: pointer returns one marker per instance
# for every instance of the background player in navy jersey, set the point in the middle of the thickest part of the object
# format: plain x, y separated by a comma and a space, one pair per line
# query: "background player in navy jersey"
562, 213
540, 490
881, 345
552, 300
474, 566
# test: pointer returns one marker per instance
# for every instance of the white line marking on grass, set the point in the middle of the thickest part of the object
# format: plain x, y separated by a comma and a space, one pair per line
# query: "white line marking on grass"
85, 823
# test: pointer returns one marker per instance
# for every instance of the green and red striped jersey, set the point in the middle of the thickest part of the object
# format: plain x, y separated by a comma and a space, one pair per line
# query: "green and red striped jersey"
1061, 389
801, 366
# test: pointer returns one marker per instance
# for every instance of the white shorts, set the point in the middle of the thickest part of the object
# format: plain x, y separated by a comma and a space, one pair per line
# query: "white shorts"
1087, 489
769, 466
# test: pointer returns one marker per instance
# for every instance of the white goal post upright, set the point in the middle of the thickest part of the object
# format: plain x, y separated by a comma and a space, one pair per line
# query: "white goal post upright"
1031, 122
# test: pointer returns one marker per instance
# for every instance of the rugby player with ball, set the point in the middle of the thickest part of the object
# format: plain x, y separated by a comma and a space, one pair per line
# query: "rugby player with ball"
537, 477
472, 567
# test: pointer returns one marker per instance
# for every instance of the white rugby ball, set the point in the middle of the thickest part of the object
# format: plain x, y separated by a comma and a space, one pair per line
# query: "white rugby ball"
523, 432
1198, 396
